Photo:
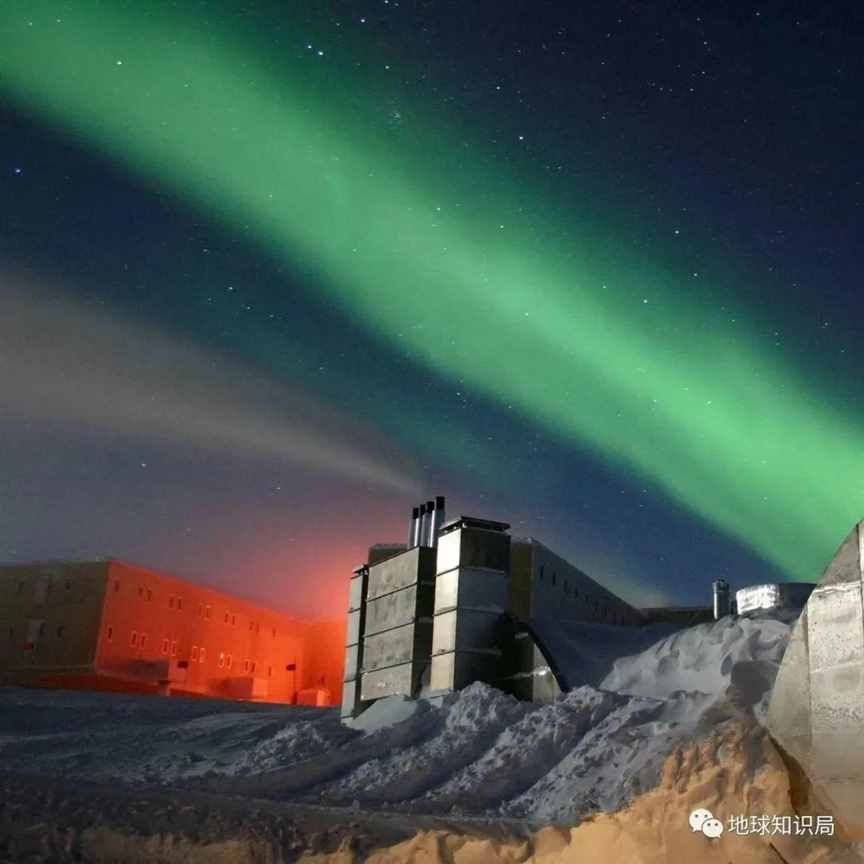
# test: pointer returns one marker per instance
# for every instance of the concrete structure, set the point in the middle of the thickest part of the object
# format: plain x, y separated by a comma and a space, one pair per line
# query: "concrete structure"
816, 711
463, 601
115, 626
772, 595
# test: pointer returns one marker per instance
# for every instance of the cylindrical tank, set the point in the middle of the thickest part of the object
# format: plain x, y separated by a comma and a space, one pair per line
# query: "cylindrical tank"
722, 599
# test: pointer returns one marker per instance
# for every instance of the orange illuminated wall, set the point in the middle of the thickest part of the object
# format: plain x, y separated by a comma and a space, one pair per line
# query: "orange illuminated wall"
194, 640
116, 626
324, 655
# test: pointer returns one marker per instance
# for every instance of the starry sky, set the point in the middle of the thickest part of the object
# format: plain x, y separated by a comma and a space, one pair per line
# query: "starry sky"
273, 273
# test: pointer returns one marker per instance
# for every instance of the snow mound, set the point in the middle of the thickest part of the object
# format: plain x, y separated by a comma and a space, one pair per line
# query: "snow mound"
700, 658
385, 712
477, 752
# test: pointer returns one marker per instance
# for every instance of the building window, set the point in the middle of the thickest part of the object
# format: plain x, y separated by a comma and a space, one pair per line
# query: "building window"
174, 648
170, 602
245, 665
269, 671
203, 655
221, 659
207, 611
165, 646
109, 633
226, 618
141, 591
143, 640
133, 639
200, 610
194, 653
253, 667
179, 602
541, 572
554, 577
149, 594
251, 626
229, 660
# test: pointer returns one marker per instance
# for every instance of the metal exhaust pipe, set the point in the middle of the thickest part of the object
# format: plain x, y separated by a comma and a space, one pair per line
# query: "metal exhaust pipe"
414, 528
437, 520
421, 525
426, 522
430, 523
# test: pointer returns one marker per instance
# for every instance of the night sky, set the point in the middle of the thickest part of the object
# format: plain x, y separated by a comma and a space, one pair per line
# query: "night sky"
272, 273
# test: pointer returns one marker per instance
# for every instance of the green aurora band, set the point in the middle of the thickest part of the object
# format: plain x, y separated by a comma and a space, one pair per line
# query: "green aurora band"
708, 414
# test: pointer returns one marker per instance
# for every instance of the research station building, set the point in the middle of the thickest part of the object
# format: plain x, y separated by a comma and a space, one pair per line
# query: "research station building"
111, 625
461, 602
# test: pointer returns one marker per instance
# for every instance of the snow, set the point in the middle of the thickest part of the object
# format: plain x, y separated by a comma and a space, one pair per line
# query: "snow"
477, 752
385, 712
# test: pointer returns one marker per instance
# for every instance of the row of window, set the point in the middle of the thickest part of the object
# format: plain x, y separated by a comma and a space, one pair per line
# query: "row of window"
594, 605
205, 610
197, 654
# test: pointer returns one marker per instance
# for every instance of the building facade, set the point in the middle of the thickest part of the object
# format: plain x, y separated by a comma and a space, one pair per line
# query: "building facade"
463, 601
116, 626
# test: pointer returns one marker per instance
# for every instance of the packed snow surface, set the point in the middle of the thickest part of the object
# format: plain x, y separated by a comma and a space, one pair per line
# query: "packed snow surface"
479, 752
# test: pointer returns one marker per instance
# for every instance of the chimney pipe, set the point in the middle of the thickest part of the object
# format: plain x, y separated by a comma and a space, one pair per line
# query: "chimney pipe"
413, 527
427, 531
437, 520
422, 521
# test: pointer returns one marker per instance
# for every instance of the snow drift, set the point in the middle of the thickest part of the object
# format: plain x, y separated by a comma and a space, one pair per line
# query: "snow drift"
480, 752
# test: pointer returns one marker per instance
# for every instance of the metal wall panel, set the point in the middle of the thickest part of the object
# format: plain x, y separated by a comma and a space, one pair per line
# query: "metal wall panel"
389, 682
400, 607
352, 635
401, 571
350, 697
474, 588
444, 632
457, 669
474, 547
355, 593
410, 642
351, 662
388, 648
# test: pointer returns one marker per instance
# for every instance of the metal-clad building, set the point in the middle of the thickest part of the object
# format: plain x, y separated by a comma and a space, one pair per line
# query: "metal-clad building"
463, 601
116, 626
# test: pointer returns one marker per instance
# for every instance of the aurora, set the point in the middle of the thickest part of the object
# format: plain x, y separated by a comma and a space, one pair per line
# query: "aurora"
600, 345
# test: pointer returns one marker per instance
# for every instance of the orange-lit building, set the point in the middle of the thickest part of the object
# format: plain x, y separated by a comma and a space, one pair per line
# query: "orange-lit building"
110, 625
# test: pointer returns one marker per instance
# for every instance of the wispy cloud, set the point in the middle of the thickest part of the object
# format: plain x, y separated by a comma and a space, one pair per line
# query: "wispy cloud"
76, 364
